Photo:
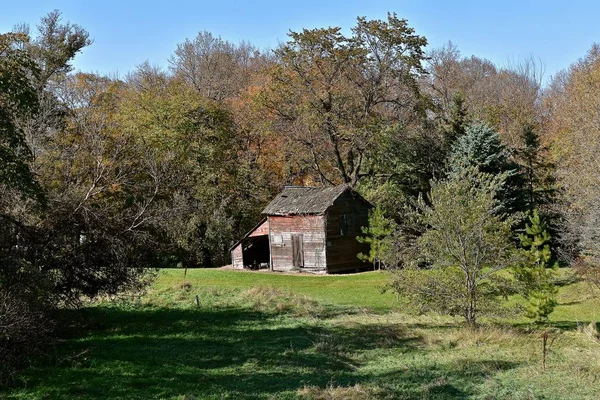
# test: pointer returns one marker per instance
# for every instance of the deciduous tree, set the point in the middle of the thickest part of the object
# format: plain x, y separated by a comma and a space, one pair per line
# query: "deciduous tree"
467, 244
333, 93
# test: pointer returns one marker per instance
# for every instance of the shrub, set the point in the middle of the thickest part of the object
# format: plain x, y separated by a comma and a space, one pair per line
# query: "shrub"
24, 329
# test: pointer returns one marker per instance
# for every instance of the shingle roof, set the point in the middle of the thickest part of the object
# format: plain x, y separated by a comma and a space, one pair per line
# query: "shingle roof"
304, 200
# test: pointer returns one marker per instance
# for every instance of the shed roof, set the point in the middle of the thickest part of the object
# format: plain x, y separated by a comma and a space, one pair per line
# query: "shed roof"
249, 233
295, 200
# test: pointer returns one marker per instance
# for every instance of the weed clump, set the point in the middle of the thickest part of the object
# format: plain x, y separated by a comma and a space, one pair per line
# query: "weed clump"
590, 330
467, 337
271, 300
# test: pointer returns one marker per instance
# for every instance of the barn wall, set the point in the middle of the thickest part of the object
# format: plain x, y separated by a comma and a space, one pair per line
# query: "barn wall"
312, 229
262, 229
237, 258
342, 250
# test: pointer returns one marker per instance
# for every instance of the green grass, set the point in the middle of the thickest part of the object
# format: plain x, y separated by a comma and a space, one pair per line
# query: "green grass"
274, 336
357, 290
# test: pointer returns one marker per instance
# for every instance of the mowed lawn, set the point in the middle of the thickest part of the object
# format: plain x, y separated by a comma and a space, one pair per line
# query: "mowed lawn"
217, 334
357, 290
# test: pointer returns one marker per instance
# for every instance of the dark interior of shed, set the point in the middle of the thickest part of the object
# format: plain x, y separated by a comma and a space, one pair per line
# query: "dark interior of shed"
255, 251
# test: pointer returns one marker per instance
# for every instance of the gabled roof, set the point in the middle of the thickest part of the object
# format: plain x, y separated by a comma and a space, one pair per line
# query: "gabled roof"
294, 200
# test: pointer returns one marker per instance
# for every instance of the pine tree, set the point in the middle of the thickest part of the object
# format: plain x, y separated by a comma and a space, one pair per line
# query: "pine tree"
538, 173
481, 147
457, 121
536, 272
378, 236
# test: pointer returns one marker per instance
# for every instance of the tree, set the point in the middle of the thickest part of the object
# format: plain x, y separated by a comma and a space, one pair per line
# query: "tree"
23, 325
332, 93
538, 172
481, 148
93, 237
587, 264
572, 133
216, 154
378, 236
103, 189
217, 69
26, 286
456, 123
52, 50
536, 272
504, 97
18, 99
467, 244
401, 166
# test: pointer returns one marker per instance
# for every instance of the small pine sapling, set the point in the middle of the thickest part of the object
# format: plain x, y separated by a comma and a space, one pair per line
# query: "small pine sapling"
536, 272
378, 236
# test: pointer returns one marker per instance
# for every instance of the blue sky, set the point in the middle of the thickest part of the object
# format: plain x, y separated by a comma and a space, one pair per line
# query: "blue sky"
127, 33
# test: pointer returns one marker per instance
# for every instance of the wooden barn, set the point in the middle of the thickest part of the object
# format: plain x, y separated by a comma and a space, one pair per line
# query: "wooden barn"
307, 229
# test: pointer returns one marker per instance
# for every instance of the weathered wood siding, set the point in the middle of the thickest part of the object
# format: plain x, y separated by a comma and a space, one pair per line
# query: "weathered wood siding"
262, 229
312, 229
342, 250
237, 257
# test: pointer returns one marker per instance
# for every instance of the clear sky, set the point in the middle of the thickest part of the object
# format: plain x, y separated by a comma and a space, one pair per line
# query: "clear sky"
127, 33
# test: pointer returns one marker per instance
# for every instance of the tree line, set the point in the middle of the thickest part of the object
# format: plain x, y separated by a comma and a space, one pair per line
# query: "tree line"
103, 179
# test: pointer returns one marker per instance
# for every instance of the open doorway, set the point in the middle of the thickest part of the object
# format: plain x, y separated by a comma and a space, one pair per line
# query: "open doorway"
255, 252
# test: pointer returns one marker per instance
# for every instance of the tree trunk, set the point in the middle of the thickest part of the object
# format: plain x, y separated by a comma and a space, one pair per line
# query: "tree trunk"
471, 309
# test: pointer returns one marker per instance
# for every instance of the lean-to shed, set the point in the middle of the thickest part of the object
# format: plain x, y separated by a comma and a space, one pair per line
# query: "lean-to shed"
307, 228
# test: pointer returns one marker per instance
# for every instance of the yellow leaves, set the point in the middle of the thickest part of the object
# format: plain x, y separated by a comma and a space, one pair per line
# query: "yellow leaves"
115, 187
573, 130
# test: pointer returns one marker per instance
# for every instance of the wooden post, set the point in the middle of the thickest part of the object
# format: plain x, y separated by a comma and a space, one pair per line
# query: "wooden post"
270, 252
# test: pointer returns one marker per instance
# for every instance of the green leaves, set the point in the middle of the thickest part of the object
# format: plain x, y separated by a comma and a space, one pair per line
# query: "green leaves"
467, 243
18, 100
378, 236
333, 93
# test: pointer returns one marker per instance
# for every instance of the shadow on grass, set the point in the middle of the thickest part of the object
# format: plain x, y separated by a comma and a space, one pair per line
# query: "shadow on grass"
234, 352
441, 381
563, 326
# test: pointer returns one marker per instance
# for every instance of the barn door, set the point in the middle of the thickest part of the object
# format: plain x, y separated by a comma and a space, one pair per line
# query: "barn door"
298, 250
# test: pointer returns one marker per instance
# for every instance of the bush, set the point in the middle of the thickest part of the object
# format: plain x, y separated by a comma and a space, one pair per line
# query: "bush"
24, 330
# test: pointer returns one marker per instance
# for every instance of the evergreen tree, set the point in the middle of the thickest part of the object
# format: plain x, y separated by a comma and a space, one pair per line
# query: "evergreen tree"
481, 147
456, 122
536, 272
538, 173
379, 236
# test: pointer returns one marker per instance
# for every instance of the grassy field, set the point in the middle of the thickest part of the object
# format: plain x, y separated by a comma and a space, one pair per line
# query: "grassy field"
273, 336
